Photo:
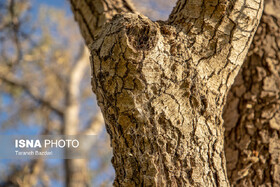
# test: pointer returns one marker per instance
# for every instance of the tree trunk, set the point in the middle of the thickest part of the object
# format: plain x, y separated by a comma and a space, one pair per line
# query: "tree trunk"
162, 86
252, 113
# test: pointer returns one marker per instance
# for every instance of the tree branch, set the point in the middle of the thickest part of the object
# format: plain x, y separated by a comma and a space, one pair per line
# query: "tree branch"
218, 36
212, 26
32, 92
252, 115
91, 15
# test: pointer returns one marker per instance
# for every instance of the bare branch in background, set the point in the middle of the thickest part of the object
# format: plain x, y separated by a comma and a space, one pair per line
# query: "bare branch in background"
32, 92
72, 107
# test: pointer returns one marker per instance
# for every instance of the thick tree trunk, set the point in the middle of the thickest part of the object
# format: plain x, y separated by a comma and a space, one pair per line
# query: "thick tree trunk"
252, 113
161, 87
164, 123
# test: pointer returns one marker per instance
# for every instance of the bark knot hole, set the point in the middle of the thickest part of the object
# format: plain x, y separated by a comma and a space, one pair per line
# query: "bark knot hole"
142, 35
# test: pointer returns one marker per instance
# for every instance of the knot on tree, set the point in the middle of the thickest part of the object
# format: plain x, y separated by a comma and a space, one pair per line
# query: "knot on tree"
135, 31
143, 64
142, 33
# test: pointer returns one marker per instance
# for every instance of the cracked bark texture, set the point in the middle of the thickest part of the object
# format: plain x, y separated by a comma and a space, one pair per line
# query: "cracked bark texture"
162, 86
252, 113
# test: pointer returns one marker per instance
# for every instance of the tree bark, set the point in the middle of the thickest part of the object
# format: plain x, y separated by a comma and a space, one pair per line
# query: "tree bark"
162, 86
92, 15
252, 113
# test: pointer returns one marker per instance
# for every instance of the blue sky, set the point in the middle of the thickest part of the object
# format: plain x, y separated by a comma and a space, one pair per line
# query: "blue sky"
56, 3
36, 4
